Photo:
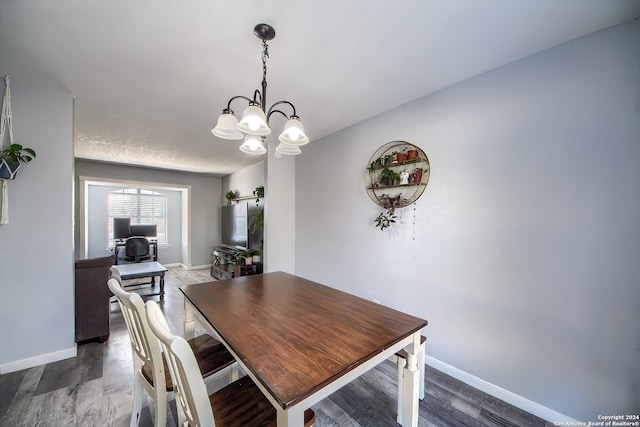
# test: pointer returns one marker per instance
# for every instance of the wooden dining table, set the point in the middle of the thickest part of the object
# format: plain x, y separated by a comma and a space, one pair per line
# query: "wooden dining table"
300, 341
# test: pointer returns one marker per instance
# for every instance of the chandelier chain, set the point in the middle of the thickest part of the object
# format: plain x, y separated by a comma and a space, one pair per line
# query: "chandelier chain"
265, 55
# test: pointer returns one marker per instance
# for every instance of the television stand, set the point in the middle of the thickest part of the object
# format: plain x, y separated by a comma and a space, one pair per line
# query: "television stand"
223, 264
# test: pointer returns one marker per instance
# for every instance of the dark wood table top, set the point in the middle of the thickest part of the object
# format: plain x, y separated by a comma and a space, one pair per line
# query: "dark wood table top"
295, 335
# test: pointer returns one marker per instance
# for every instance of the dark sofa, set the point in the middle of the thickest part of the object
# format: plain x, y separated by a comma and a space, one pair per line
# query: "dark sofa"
92, 298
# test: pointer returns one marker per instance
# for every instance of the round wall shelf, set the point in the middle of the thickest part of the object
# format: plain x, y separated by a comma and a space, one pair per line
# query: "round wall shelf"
397, 174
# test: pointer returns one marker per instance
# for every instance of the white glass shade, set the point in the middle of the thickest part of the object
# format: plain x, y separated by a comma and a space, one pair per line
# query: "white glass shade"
252, 145
293, 133
289, 150
227, 127
254, 122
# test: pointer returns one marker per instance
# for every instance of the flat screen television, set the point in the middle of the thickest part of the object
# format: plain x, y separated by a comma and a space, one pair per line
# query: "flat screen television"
234, 226
121, 228
146, 230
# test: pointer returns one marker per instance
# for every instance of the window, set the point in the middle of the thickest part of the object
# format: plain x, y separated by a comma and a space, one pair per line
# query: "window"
144, 207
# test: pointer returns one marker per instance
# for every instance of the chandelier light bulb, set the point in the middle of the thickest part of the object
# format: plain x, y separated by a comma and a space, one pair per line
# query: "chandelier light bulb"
253, 145
293, 133
254, 121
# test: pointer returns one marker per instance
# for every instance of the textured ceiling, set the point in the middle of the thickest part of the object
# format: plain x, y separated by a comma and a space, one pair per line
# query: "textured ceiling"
150, 77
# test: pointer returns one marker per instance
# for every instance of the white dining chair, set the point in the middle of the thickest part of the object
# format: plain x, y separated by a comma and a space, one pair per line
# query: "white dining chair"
401, 360
239, 404
149, 364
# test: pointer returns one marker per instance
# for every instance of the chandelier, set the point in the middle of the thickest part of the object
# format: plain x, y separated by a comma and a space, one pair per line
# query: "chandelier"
254, 125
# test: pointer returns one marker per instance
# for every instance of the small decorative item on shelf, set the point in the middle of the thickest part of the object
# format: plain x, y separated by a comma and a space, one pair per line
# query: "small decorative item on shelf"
404, 177
412, 154
417, 175
230, 196
402, 156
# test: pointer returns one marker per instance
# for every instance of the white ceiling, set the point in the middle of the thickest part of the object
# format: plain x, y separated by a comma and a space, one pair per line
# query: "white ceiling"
150, 77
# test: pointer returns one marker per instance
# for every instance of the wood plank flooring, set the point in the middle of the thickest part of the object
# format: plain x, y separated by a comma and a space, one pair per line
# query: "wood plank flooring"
95, 388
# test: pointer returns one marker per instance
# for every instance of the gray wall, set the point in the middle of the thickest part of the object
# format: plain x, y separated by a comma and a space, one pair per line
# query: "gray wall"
36, 247
523, 252
206, 197
279, 206
244, 181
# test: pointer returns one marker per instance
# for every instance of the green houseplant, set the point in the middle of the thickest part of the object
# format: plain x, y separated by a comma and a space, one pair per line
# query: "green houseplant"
11, 158
388, 176
230, 196
258, 193
246, 256
256, 222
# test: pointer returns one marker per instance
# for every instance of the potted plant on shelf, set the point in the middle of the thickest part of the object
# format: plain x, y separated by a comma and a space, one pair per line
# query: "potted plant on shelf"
388, 176
246, 257
377, 163
242, 258
402, 156
394, 157
11, 158
230, 196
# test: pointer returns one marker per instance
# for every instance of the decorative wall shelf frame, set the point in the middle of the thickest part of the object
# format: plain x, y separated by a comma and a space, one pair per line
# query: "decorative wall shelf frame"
397, 174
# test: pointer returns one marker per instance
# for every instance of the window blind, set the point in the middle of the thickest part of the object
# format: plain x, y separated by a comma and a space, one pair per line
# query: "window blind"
142, 206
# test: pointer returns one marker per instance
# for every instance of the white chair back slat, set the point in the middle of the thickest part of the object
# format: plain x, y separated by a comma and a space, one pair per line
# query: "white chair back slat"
189, 387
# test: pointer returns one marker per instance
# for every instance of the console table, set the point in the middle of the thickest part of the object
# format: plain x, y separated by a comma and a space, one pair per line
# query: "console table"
224, 266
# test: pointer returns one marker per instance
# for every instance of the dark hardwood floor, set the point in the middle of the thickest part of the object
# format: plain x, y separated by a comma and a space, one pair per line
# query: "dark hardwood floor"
95, 388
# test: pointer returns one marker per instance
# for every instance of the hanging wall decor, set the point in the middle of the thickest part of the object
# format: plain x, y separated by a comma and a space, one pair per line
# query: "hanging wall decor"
397, 175
11, 155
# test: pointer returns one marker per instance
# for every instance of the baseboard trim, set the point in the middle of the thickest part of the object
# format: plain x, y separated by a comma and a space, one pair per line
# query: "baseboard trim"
176, 264
41, 359
198, 267
534, 408
184, 267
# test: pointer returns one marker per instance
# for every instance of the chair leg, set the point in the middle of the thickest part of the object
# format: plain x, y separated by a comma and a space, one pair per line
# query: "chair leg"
160, 406
421, 367
137, 402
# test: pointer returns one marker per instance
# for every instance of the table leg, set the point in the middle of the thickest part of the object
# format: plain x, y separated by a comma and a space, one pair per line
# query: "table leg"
293, 417
410, 383
162, 287
189, 324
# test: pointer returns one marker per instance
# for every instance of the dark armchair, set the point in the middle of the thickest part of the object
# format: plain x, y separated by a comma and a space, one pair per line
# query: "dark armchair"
92, 297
